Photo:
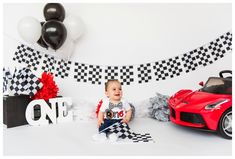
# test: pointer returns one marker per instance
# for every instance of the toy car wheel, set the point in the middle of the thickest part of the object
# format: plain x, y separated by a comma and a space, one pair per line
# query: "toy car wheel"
225, 124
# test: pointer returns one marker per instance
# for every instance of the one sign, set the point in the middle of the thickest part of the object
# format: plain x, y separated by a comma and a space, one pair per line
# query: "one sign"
50, 110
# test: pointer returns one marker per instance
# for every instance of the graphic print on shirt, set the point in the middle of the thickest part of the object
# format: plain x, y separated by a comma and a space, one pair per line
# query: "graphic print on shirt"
115, 111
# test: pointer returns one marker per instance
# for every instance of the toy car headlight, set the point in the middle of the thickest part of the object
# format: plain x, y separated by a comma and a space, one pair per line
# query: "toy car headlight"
213, 105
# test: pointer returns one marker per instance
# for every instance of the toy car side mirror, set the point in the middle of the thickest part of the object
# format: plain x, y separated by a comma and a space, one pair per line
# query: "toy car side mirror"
201, 83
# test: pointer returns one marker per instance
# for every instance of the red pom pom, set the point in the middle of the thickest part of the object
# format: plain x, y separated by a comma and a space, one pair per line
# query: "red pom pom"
98, 108
49, 89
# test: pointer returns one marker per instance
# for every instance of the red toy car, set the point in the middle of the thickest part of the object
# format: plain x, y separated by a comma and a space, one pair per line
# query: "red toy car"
208, 108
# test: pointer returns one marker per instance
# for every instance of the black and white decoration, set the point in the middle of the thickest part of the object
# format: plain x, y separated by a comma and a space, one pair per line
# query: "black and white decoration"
34, 58
226, 39
203, 56
189, 61
217, 49
167, 68
126, 75
81, 71
22, 81
21, 54
28, 56
48, 63
88, 73
111, 72
123, 131
6, 76
95, 74
141, 73
144, 73
63, 68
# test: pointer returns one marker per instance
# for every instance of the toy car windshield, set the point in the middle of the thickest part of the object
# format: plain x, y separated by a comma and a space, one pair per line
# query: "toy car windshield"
217, 85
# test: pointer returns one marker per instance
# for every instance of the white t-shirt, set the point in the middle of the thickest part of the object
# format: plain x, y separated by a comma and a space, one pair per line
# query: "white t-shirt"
114, 111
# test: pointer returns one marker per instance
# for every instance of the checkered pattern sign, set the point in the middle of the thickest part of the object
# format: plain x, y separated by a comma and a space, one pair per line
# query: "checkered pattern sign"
189, 61
141, 73
5, 83
217, 49
21, 54
81, 72
226, 40
18, 84
95, 74
63, 68
203, 56
126, 75
48, 64
6, 77
167, 68
111, 72
144, 73
123, 131
24, 82
28, 56
33, 84
34, 58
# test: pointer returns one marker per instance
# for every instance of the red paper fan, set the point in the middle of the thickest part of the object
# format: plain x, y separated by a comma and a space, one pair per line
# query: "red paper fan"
49, 89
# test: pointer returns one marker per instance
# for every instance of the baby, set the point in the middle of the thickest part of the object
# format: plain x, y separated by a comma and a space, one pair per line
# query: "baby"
113, 109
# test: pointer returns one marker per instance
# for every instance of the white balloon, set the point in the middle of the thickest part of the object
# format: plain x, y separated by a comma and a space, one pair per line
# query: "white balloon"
74, 26
66, 50
29, 29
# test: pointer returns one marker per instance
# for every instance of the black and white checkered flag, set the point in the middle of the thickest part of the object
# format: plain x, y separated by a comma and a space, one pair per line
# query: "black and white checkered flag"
27, 56
140, 73
63, 68
6, 77
144, 73
167, 68
33, 84
123, 131
25, 82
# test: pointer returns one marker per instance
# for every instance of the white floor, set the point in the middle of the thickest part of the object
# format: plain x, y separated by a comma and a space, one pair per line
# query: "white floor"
76, 139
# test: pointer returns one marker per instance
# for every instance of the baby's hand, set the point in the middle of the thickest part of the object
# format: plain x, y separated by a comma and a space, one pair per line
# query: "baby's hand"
100, 122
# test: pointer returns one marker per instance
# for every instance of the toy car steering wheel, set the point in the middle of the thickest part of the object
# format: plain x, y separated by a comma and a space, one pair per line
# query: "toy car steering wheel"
225, 71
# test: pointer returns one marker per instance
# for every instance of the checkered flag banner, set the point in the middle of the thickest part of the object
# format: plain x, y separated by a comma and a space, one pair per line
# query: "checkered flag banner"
126, 75
24, 82
144, 73
81, 72
167, 68
130, 74
48, 63
94, 74
124, 132
6, 77
27, 56
111, 72
63, 67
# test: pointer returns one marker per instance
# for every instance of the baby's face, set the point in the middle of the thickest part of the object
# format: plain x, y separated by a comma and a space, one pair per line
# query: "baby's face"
114, 91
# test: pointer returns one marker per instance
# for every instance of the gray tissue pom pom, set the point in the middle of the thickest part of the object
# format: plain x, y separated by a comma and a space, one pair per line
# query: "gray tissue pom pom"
159, 107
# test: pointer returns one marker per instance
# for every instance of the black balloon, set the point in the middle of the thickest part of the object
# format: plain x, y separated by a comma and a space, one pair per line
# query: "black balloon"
54, 11
41, 42
54, 33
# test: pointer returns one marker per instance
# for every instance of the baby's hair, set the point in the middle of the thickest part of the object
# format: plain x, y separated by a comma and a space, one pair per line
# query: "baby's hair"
109, 81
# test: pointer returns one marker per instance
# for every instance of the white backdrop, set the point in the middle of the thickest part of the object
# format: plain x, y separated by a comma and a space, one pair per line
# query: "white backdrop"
128, 34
